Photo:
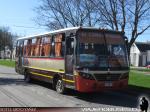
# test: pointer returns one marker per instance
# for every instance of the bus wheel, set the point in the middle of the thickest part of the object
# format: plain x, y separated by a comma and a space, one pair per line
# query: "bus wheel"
27, 77
60, 86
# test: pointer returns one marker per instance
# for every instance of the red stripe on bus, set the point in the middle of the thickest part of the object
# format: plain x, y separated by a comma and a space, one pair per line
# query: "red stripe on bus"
47, 58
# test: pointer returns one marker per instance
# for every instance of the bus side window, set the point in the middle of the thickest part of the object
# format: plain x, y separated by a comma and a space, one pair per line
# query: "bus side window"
25, 48
52, 52
59, 45
17, 48
37, 46
28, 50
45, 46
33, 47
42, 53
70, 46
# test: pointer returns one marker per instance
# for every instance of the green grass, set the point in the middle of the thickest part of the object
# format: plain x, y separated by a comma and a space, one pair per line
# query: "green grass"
8, 63
139, 79
142, 70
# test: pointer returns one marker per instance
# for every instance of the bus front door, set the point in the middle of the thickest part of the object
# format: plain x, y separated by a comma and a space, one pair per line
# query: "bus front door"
69, 60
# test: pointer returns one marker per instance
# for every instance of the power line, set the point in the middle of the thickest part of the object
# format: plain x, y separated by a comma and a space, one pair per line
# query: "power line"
27, 27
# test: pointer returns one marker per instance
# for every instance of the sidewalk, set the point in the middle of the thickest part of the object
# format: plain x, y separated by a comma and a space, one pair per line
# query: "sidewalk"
7, 70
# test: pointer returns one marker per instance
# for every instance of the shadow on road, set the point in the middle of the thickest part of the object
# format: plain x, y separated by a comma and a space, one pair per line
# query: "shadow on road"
114, 98
12, 81
123, 98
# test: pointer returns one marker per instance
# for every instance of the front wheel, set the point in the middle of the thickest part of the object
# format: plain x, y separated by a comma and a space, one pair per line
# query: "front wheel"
60, 86
27, 77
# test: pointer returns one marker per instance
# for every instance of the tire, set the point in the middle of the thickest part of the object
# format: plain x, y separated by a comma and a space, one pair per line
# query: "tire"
27, 77
59, 86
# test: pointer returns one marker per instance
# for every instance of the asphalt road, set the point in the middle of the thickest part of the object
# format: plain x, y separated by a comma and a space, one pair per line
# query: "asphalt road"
14, 92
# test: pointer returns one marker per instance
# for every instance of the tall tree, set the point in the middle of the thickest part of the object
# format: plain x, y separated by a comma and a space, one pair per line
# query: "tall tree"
57, 14
6, 39
129, 16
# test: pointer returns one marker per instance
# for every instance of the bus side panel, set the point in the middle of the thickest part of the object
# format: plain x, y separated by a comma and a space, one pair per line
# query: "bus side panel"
55, 65
44, 69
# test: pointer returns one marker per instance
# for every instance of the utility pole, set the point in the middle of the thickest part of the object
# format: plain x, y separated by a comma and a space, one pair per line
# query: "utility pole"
4, 44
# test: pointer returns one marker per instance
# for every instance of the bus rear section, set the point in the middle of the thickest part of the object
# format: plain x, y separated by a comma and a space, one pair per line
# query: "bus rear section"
101, 61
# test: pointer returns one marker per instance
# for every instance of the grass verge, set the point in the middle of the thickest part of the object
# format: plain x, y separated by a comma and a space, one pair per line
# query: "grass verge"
8, 63
139, 79
142, 70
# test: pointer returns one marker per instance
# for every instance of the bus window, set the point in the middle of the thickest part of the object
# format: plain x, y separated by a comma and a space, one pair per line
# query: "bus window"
59, 46
29, 47
25, 48
33, 47
21, 48
46, 46
17, 49
37, 47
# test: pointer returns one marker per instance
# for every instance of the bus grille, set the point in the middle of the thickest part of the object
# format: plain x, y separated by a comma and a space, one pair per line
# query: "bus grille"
107, 77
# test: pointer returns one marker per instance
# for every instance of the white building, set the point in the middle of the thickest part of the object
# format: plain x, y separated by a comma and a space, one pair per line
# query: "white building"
6, 53
140, 54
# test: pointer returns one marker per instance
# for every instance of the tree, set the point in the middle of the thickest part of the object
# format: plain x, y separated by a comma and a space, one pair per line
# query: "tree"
56, 14
129, 16
6, 39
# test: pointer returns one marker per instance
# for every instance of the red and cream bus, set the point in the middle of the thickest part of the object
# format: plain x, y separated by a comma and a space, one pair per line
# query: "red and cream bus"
84, 59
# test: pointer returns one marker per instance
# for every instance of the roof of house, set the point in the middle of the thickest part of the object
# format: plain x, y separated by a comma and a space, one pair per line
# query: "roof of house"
143, 46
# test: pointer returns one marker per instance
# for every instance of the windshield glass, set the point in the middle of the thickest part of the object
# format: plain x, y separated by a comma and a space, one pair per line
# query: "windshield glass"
117, 50
94, 52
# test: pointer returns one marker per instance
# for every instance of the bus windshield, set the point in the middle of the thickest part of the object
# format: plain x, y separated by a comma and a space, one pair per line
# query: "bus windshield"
96, 50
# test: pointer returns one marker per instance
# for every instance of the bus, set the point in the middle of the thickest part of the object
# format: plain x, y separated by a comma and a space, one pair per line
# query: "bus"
81, 58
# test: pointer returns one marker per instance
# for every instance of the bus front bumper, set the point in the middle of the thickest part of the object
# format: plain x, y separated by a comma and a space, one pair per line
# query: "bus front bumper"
85, 85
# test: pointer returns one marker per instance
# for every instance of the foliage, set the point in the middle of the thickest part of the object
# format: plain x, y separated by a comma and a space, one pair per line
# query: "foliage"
129, 16
6, 39
8, 63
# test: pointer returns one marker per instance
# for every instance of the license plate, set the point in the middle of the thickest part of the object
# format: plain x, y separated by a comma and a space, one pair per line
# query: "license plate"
108, 84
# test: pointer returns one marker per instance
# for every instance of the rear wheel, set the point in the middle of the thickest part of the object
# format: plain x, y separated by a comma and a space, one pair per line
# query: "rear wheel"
60, 86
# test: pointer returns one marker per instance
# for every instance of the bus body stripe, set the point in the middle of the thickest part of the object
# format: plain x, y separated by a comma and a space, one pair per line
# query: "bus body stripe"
51, 70
41, 75
71, 81
44, 58
68, 80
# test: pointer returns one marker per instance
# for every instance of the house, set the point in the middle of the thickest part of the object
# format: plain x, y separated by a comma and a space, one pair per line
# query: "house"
5, 54
140, 54
14, 53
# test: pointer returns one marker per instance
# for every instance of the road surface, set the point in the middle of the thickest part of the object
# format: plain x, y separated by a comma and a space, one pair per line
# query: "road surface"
14, 92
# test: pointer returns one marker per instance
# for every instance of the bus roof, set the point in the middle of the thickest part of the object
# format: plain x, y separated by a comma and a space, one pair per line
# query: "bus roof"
67, 29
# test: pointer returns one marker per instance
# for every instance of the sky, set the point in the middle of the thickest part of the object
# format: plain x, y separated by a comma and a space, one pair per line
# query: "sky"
19, 16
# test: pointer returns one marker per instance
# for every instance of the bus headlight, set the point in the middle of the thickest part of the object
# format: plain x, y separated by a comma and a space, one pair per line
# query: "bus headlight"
124, 76
86, 76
